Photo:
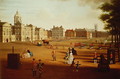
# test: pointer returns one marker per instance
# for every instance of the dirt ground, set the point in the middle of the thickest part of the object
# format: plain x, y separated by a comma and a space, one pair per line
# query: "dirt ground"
54, 69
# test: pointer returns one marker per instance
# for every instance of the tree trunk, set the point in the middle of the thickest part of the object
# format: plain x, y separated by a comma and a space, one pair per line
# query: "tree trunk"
115, 41
119, 47
112, 38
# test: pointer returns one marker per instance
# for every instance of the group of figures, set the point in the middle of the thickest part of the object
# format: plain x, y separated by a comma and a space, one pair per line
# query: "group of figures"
27, 54
37, 68
103, 64
69, 57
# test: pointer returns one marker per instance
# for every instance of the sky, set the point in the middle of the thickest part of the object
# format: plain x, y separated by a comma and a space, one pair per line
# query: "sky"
70, 14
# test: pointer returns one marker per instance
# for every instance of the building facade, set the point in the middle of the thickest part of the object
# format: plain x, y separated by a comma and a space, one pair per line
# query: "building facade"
58, 32
100, 34
70, 33
49, 34
20, 32
85, 33
5, 32
29, 32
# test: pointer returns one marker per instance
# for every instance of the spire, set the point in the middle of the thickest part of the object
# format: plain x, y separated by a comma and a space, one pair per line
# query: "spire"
17, 18
17, 13
96, 27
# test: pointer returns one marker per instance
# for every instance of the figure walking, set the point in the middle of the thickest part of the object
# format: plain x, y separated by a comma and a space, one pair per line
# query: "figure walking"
54, 55
34, 67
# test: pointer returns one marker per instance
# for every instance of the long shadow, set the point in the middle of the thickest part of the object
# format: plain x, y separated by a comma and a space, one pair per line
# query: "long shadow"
84, 58
90, 55
57, 72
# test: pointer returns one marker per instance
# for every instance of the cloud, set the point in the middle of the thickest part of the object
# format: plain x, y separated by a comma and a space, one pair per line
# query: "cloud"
62, 0
93, 3
88, 1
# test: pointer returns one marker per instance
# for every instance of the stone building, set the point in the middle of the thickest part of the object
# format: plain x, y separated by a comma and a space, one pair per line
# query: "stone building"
100, 34
27, 32
5, 32
41, 34
20, 32
18, 28
49, 34
85, 33
58, 32
70, 33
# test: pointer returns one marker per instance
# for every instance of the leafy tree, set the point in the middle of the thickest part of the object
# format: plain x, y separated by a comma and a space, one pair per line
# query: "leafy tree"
111, 19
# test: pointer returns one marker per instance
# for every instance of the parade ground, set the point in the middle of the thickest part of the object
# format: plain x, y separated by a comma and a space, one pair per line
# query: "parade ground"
55, 69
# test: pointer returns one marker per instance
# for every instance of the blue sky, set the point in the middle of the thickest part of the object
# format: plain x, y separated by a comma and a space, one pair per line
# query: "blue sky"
70, 14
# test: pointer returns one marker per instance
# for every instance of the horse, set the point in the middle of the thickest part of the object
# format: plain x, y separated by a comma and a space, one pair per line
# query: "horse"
45, 42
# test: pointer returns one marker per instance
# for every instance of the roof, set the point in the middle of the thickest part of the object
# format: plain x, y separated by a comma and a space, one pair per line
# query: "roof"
80, 29
4, 24
70, 30
1, 23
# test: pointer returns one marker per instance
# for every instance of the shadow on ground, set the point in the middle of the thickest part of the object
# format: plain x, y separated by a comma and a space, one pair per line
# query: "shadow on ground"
56, 72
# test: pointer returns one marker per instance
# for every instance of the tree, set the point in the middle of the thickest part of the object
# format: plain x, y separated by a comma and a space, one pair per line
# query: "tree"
111, 19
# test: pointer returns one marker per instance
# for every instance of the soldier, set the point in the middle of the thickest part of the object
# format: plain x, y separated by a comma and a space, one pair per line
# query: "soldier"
40, 68
34, 67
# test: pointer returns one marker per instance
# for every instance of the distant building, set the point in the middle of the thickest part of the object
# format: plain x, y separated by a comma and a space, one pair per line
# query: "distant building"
49, 34
70, 33
100, 34
5, 32
29, 32
58, 32
20, 32
23, 32
85, 33
42, 34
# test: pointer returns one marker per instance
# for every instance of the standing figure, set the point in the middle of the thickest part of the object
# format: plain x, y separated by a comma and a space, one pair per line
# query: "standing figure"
95, 57
34, 67
70, 59
40, 72
77, 66
111, 58
66, 57
40, 68
54, 55
39, 65
74, 51
103, 65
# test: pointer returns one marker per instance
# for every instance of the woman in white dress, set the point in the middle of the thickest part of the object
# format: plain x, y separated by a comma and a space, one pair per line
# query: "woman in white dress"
70, 59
